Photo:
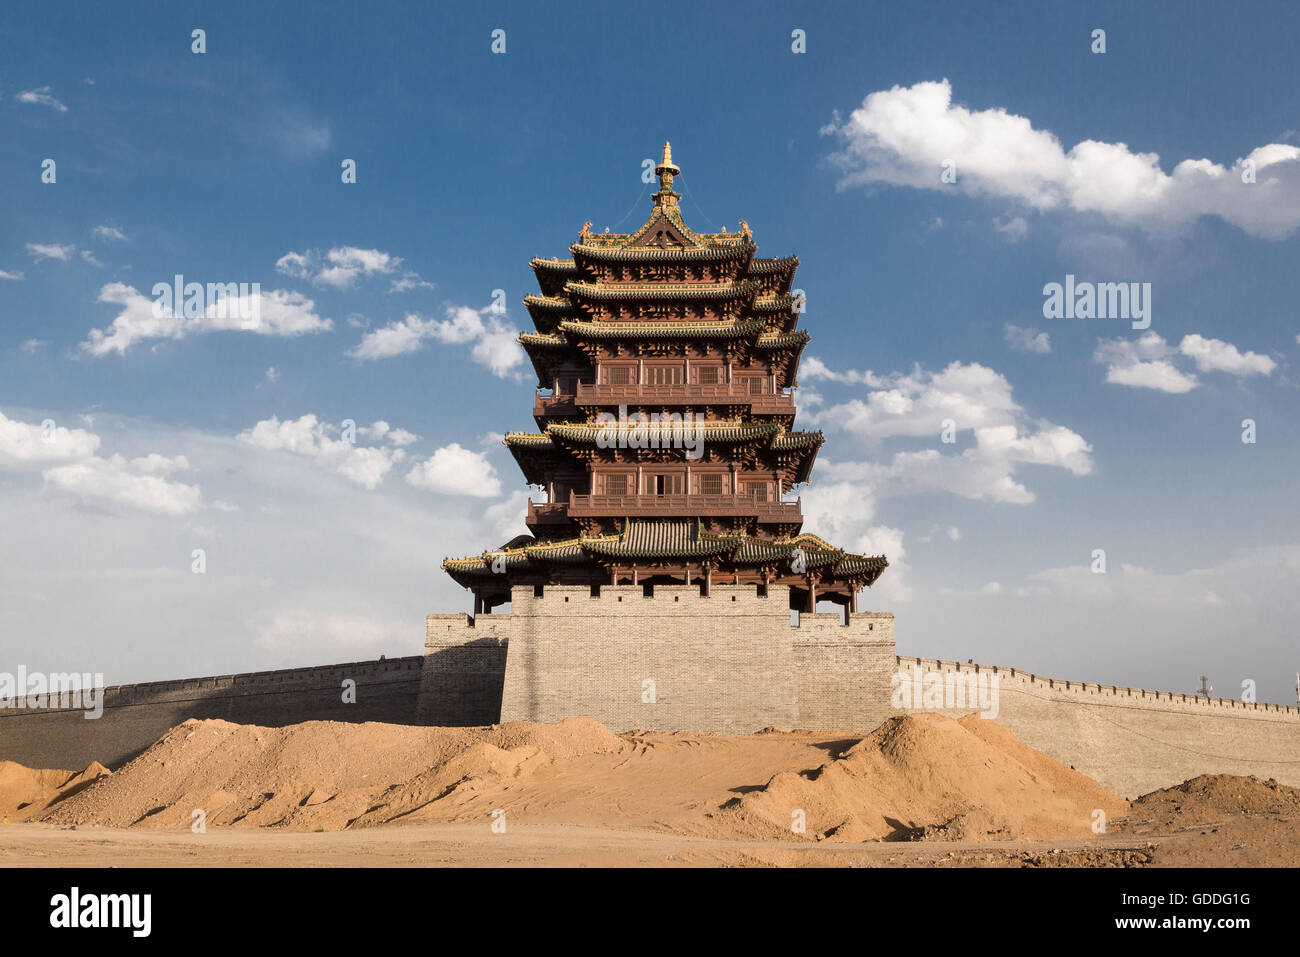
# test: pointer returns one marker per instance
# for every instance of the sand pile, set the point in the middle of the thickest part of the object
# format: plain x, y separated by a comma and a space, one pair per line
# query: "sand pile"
916, 777
928, 777
320, 775
25, 792
1213, 797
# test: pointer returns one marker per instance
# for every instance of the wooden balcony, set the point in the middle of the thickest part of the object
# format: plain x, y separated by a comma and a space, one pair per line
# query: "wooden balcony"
696, 394
547, 513
651, 506
548, 404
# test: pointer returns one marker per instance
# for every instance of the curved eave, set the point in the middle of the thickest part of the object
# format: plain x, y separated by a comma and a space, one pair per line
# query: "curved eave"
559, 266
774, 304
542, 341
861, 566
789, 441
548, 303
788, 340
535, 441
690, 292
696, 549
667, 330
719, 252
769, 267
589, 434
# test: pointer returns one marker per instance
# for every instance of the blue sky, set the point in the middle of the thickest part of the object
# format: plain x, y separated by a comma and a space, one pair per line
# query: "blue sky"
924, 301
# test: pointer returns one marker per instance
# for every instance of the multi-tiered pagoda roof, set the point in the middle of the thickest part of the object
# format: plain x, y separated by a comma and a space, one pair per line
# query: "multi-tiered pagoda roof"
665, 438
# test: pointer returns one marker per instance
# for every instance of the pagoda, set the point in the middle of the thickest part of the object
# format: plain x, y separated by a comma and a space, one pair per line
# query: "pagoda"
665, 439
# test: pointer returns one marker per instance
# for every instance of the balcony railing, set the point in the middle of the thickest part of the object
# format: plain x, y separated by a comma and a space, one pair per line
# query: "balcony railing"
547, 403
607, 393
547, 513
640, 506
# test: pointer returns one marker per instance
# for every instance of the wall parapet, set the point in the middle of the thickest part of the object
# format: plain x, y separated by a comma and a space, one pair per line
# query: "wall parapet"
1087, 688
241, 685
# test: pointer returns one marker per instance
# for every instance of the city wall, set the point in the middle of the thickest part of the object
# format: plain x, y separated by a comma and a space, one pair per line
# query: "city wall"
135, 716
1134, 740
675, 659
678, 660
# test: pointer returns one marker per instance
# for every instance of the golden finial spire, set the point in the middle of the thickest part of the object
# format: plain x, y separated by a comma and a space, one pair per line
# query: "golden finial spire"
666, 170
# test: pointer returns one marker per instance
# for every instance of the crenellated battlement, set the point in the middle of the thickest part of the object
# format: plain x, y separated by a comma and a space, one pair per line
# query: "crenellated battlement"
1086, 690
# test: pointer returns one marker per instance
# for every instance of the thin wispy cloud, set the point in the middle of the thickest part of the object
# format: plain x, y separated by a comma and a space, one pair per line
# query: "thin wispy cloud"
42, 251
42, 96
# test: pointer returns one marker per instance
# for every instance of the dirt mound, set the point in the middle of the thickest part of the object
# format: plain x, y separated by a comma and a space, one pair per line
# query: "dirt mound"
319, 775
927, 777
924, 777
1213, 797
25, 792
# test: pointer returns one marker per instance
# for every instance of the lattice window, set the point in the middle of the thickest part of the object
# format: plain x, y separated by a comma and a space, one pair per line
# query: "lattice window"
663, 375
619, 375
615, 484
710, 484
709, 375
670, 484
758, 491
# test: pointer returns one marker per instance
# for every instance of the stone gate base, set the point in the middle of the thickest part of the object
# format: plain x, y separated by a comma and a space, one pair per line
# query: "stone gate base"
665, 659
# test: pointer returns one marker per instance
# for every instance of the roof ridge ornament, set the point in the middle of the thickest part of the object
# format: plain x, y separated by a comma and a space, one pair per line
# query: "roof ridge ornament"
666, 170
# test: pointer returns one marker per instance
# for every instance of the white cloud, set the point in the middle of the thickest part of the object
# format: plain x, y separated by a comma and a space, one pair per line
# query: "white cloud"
976, 401
409, 281
453, 470
1151, 363
1215, 355
506, 518
308, 437
89, 257
33, 446
272, 374
1159, 374
382, 430
1027, 340
41, 251
279, 313
1013, 228
342, 266
5, 274
140, 484
812, 369
70, 467
903, 137
493, 344
950, 532
42, 96
1143, 364
110, 233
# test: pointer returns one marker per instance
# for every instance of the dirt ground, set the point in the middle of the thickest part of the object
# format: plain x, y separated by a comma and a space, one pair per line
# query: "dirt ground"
921, 791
